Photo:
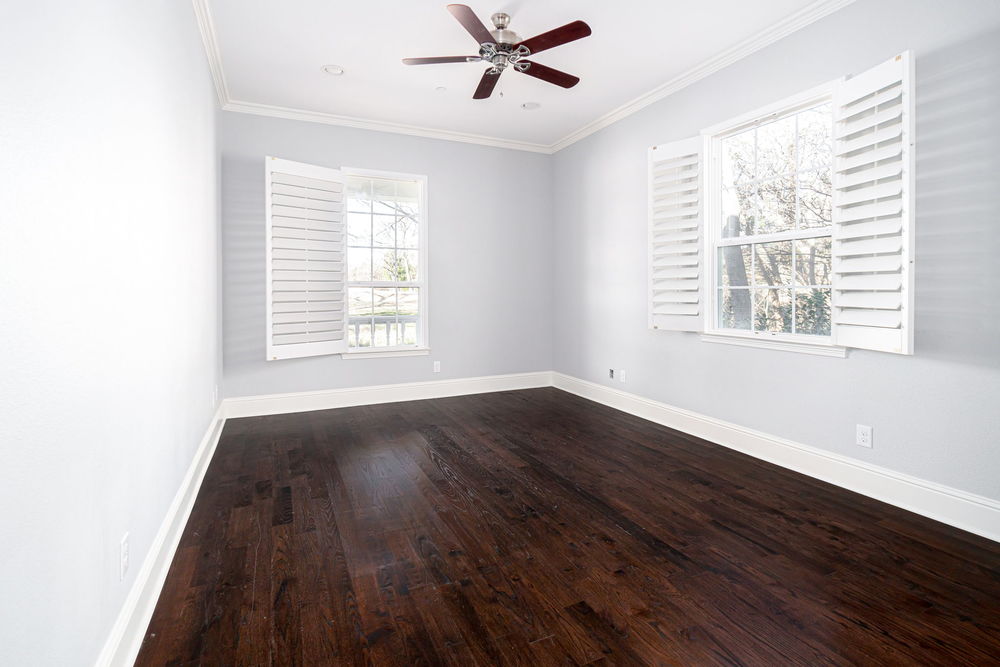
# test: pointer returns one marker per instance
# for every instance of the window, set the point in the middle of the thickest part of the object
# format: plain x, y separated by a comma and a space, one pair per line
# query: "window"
771, 226
386, 286
346, 262
792, 227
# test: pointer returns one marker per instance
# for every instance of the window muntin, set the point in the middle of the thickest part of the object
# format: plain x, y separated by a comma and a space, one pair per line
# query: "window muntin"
386, 288
772, 226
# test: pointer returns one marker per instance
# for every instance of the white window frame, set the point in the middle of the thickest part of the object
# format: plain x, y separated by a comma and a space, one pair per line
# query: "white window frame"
423, 283
712, 136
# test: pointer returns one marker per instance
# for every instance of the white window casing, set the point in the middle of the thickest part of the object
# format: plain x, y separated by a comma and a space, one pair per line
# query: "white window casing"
676, 230
873, 217
305, 260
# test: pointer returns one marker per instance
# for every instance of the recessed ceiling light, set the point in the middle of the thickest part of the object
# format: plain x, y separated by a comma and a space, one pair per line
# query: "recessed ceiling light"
531, 106
335, 70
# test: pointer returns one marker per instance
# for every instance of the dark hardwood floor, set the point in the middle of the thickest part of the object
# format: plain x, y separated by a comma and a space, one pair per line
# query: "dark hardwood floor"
537, 528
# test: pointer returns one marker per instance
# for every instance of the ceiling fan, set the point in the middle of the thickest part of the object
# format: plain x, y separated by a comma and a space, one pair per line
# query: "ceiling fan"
500, 48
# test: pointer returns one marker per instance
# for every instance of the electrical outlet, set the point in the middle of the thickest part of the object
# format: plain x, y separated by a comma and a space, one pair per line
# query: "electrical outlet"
437, 366
863, 436
611, 374
621, 375
123, 557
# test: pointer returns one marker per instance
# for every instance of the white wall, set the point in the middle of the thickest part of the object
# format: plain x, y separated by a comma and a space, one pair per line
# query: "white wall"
490, 215
108, 303
935, 414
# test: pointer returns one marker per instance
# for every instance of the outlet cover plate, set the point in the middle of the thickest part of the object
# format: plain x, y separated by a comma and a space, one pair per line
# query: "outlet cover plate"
863, 436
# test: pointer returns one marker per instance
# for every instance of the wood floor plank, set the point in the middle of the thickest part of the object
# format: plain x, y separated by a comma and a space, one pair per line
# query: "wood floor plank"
538, 528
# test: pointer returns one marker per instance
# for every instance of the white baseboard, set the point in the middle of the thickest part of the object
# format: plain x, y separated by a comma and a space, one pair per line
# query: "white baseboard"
274, 404
968, 511
122, 645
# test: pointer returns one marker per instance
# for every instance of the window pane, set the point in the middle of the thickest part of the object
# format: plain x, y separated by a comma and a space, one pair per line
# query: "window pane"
773, 310
407, 264
409, 302
738, 210
360, 316
734, 265
383, 264
364, 334
773, 263
813, 261
384, 230
383, 196
380, 334
392, 333
407, 233
409, 333
359, 194
359, 302
777, 206
409, 309
776, 148
815, 199
359, 264
814, 137
734, 309
812, 312
359, 229
738, 158
384, 302
384, 305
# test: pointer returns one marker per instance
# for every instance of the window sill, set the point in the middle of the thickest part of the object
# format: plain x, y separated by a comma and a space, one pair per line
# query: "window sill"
821, 349
409, 352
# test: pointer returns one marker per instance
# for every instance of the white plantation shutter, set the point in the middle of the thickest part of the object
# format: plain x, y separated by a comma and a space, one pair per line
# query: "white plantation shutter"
306, 257
675, 232
873, 209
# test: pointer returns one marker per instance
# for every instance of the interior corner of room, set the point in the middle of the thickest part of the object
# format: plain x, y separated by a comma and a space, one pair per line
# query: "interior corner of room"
676, 317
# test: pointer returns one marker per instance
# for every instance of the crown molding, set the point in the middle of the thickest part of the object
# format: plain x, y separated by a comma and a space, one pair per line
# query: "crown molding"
766, 37
379, 126
207, 29
769, 35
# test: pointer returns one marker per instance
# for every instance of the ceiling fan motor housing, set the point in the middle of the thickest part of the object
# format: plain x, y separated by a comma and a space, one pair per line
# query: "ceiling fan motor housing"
501, 34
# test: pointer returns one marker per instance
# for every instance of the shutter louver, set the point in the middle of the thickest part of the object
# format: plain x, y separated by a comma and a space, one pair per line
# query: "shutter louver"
675, 236
306, 260
873, 209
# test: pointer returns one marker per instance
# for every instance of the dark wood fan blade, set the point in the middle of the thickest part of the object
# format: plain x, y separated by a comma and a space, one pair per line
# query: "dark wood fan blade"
544, 73
547, 40
471, 22
438, 59
486, 85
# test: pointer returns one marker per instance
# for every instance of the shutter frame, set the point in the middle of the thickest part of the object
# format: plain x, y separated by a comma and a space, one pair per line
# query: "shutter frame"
306, 254
873, 209
675, 244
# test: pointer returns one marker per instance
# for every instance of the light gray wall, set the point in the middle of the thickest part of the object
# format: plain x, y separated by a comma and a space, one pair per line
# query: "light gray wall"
490, 252
108, 304
935, 414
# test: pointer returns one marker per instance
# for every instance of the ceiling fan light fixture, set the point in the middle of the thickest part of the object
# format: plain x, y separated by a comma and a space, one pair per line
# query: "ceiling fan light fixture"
333, 70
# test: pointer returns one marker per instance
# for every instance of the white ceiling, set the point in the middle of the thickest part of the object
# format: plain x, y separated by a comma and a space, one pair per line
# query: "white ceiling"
269, 54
